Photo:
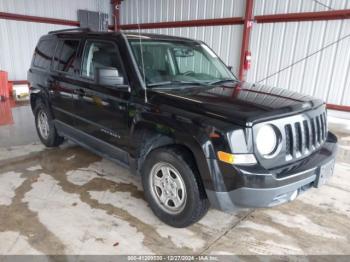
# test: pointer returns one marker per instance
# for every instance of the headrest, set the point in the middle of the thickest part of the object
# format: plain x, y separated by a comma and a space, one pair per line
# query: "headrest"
103, 58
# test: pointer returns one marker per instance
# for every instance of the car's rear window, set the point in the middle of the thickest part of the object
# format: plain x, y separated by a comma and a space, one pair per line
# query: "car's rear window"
44, 53
65, 55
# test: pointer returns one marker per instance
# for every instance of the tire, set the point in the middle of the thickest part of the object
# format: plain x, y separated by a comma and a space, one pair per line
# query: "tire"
49, 138
184, 187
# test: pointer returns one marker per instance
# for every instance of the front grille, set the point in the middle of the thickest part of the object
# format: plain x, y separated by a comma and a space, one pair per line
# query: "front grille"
305, 136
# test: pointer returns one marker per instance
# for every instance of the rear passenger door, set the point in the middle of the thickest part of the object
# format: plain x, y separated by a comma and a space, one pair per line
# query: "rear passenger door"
102, 111
64, 81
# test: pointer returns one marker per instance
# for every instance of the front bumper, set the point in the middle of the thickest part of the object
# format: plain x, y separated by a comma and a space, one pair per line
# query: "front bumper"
271, 189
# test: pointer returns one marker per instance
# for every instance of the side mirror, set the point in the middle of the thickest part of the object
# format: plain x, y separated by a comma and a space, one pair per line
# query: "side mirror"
108, 76
229, 68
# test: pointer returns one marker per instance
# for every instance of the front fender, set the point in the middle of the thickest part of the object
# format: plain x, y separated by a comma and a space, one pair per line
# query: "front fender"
152, 131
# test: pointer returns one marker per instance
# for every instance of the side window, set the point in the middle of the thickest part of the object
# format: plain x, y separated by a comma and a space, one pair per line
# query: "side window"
44, 53
100, 55
65, 56
156, 59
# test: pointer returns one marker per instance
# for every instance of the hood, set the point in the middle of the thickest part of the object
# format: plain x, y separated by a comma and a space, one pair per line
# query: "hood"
240, 103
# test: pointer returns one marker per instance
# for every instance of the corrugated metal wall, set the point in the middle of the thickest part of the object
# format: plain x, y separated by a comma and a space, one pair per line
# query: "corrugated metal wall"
17, 44
266, 7
148, 11
274, 46
282, 46
216, 37
18, 39
225, 40
61, 9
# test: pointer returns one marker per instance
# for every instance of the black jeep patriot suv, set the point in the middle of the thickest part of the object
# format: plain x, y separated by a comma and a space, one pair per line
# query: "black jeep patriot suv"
171, 110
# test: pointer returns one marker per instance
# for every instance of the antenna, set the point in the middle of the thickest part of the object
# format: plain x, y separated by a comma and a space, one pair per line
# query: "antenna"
141, 51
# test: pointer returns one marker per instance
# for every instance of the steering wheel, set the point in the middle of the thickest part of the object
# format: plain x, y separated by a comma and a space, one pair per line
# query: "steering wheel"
188, 73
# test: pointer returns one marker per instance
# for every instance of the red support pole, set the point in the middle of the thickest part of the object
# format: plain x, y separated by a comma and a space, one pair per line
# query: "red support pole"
20, 82
248, 18
116, 14
3, 85
338, 107
187, 23
304, 16
37, 19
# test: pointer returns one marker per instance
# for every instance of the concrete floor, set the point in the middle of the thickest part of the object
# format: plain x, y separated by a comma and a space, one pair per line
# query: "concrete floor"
70, 201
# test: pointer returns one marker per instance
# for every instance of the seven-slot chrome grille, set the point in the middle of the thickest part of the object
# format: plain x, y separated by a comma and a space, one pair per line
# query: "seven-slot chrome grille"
305, 136
299, 136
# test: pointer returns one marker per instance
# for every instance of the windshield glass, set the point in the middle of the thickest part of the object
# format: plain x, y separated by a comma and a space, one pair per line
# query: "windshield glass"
178, 62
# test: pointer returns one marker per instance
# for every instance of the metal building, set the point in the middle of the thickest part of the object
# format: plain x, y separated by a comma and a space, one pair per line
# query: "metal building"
113, 140
22, 23
293, 44
297, 45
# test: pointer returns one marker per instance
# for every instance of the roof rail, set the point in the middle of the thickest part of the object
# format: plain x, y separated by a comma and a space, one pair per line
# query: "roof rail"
79, 29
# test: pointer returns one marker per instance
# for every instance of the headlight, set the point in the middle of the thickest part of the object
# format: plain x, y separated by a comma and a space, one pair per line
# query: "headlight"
266, 140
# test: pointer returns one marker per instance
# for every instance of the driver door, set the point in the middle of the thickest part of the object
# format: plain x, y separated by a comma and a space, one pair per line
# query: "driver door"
102, 110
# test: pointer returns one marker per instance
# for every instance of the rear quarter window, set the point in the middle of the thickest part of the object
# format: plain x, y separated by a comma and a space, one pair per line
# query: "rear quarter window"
65, 56
44, 53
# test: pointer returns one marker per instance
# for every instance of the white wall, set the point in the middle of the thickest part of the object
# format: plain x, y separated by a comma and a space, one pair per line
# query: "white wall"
18, 39
147, 11
325, 74
225, 40
274, 46
61, 9
266, 7
17, 44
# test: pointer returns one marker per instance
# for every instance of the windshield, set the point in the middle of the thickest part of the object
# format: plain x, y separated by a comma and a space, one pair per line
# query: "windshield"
164, 63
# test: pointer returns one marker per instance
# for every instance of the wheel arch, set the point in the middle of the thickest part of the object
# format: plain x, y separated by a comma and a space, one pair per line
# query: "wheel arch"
149, 138
34, 98
39, 96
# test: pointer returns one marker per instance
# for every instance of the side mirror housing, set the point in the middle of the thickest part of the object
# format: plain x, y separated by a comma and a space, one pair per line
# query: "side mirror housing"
108, 76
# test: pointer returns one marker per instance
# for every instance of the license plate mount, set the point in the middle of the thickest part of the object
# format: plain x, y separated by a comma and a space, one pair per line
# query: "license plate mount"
326, 171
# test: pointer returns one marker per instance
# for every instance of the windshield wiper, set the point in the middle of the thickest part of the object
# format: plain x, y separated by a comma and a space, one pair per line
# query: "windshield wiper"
222, 81
176, 82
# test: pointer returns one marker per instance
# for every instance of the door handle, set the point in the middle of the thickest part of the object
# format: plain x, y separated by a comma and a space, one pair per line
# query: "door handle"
52, 85
79, 92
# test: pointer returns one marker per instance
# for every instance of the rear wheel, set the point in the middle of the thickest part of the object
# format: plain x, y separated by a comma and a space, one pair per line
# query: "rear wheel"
45, 126
172, 188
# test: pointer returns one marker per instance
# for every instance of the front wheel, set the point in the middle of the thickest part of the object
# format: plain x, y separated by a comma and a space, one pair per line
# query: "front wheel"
172, 187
